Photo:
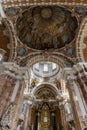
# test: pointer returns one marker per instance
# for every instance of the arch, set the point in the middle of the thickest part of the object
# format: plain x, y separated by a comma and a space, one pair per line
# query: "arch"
41, 85
81, 42
55, 57
12, 38
52, 58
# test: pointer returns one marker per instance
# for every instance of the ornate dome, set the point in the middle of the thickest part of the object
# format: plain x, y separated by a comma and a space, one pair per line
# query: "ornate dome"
46, 27
46, 69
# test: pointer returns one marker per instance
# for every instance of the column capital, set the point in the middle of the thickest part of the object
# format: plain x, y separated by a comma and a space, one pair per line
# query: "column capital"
13, 70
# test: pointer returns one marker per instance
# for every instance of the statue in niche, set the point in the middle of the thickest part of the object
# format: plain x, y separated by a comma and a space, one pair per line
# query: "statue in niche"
33, 83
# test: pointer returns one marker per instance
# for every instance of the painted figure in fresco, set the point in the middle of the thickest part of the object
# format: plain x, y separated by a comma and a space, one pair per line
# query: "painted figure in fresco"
47, 28
58, 84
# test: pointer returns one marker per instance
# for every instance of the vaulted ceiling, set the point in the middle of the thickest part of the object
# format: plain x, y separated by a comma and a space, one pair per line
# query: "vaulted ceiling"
46, 27
42, 31
36, 29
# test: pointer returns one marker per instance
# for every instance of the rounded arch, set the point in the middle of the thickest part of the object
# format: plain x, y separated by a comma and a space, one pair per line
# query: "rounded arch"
52, 58
81, 42
49, 85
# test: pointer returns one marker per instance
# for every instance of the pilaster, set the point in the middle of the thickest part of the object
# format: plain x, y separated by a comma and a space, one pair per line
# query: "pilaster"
2, 13
27, 118
76, 105
63, 118
17, 105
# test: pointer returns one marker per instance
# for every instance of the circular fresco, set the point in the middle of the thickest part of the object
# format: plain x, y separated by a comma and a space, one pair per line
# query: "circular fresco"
46, 27
46, 13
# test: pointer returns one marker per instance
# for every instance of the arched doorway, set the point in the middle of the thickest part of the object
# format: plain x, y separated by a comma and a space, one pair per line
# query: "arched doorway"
46, 113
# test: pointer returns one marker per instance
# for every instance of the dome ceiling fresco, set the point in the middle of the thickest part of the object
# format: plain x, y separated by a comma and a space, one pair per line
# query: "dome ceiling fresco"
46, 27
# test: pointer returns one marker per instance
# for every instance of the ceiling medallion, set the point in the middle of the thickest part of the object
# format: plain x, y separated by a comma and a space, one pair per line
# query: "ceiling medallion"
46, 13
21, 51
50, 27
12, 11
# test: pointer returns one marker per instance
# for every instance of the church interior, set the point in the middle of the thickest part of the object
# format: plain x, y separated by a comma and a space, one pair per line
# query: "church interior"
43, 64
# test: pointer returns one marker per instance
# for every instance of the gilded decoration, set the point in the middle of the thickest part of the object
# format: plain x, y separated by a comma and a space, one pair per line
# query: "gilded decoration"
45, 93
45, 123
46, 27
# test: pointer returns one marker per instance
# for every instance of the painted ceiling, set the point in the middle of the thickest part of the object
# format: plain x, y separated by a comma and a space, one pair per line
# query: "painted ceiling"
46, 27
47, 30
45, 93
4, 41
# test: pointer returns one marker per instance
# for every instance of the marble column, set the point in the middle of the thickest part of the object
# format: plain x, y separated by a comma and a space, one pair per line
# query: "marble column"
27, 117
79, 98
6, 88
15, 91
76, 103
82, 84
63, 118
17, 104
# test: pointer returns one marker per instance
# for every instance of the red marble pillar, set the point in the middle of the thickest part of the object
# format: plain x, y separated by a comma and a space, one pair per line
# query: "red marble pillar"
6, 88
75, 107
63, 118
